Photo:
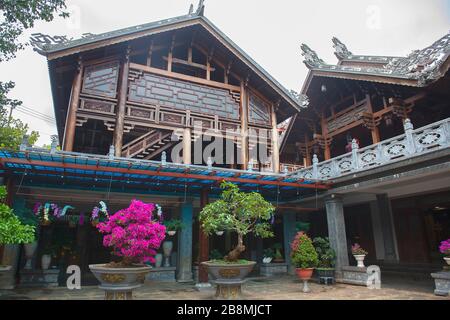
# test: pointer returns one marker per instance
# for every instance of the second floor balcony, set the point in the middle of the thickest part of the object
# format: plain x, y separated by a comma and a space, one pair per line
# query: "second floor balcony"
413, 143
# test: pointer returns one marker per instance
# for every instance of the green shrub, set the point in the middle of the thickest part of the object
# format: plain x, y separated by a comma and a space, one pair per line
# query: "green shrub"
12, 230
325, 253
303, 254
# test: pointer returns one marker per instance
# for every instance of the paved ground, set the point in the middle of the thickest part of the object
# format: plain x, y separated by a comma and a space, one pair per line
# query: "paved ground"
284, 288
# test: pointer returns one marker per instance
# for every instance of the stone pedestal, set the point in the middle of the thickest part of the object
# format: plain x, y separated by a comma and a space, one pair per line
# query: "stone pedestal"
162, 274
442, 283
360, 276
184, 273
271, 269
39, 278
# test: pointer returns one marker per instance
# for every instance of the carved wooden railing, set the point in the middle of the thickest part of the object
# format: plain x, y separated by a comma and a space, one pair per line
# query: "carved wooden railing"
412, 143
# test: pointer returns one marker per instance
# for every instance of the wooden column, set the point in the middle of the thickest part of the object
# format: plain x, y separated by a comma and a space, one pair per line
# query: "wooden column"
244, 126
275, 146
187, 146
374, 130
71, 119
121, 104
203, 240
307, 152
327, 152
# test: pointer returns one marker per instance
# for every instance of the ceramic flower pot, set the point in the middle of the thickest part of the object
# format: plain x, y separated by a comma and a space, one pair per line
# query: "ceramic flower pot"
228, 277
158, 260
219, 233
360, 260
30, 249
119, 283
167, 249
46, 259
447, 259
171, 233
304, 273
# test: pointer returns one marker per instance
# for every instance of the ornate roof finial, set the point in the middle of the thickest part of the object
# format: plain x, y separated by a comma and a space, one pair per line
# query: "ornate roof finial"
201, 8
40, 41
311, 58
302, 99
340, 49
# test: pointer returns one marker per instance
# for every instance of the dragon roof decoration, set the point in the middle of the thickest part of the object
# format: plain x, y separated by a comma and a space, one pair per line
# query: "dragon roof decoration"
422, 65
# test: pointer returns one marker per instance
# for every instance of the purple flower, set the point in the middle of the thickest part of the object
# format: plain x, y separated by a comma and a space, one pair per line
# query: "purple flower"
81, 221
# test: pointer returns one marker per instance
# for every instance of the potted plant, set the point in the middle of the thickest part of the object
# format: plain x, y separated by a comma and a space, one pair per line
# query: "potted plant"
326, 256
242, 213
268, 255
99, 214
359, 254
215, 255
445, 249
12, 230
172, 226
304, 257
277, 256
133, 236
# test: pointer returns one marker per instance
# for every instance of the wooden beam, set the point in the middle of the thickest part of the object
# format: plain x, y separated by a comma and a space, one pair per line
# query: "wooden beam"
184, 77
68, 165
244, 126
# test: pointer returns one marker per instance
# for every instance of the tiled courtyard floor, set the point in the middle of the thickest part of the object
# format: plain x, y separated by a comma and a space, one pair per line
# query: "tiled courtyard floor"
283, 288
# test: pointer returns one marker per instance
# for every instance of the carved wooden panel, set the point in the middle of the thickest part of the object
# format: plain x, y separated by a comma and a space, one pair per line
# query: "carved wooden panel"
97, 106
258, 110
347, 117
101, 79
182, 95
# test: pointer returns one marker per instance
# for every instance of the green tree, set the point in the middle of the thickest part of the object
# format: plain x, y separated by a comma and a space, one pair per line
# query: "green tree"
239, 212
12, 230
15, 17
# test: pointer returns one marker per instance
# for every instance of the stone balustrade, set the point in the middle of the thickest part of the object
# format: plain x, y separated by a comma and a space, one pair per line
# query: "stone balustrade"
412, 143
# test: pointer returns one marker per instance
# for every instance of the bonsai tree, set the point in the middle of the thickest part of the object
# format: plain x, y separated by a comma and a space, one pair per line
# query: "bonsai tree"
303, 254
12, 230
325, 253
132, 234
240, 212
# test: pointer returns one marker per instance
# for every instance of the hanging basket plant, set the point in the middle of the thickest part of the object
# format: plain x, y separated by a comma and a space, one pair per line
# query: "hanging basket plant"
49, 212
99, 214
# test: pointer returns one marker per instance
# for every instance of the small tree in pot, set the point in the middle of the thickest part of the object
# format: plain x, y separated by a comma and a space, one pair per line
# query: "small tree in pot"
326, 255
134, 236
304, 257
239, 212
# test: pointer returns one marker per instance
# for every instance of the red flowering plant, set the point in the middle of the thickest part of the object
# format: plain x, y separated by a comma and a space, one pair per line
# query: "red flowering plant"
133, 234
445, 248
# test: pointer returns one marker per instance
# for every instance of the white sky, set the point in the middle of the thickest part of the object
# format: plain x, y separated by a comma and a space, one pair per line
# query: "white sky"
269, 31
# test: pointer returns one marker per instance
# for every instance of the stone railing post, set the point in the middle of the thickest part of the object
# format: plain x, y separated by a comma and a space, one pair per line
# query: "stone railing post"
355, 148
112, 152
408, 126
315, 169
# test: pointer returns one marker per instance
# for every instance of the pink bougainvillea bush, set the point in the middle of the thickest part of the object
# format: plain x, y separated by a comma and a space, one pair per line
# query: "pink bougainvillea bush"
133, 234
445, 248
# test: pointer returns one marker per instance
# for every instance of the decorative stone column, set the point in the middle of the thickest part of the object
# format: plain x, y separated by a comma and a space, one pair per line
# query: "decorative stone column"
185, 245
387, 226
336, 231
288, 234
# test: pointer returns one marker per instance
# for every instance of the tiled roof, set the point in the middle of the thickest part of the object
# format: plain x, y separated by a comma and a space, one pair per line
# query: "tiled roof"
423, 66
